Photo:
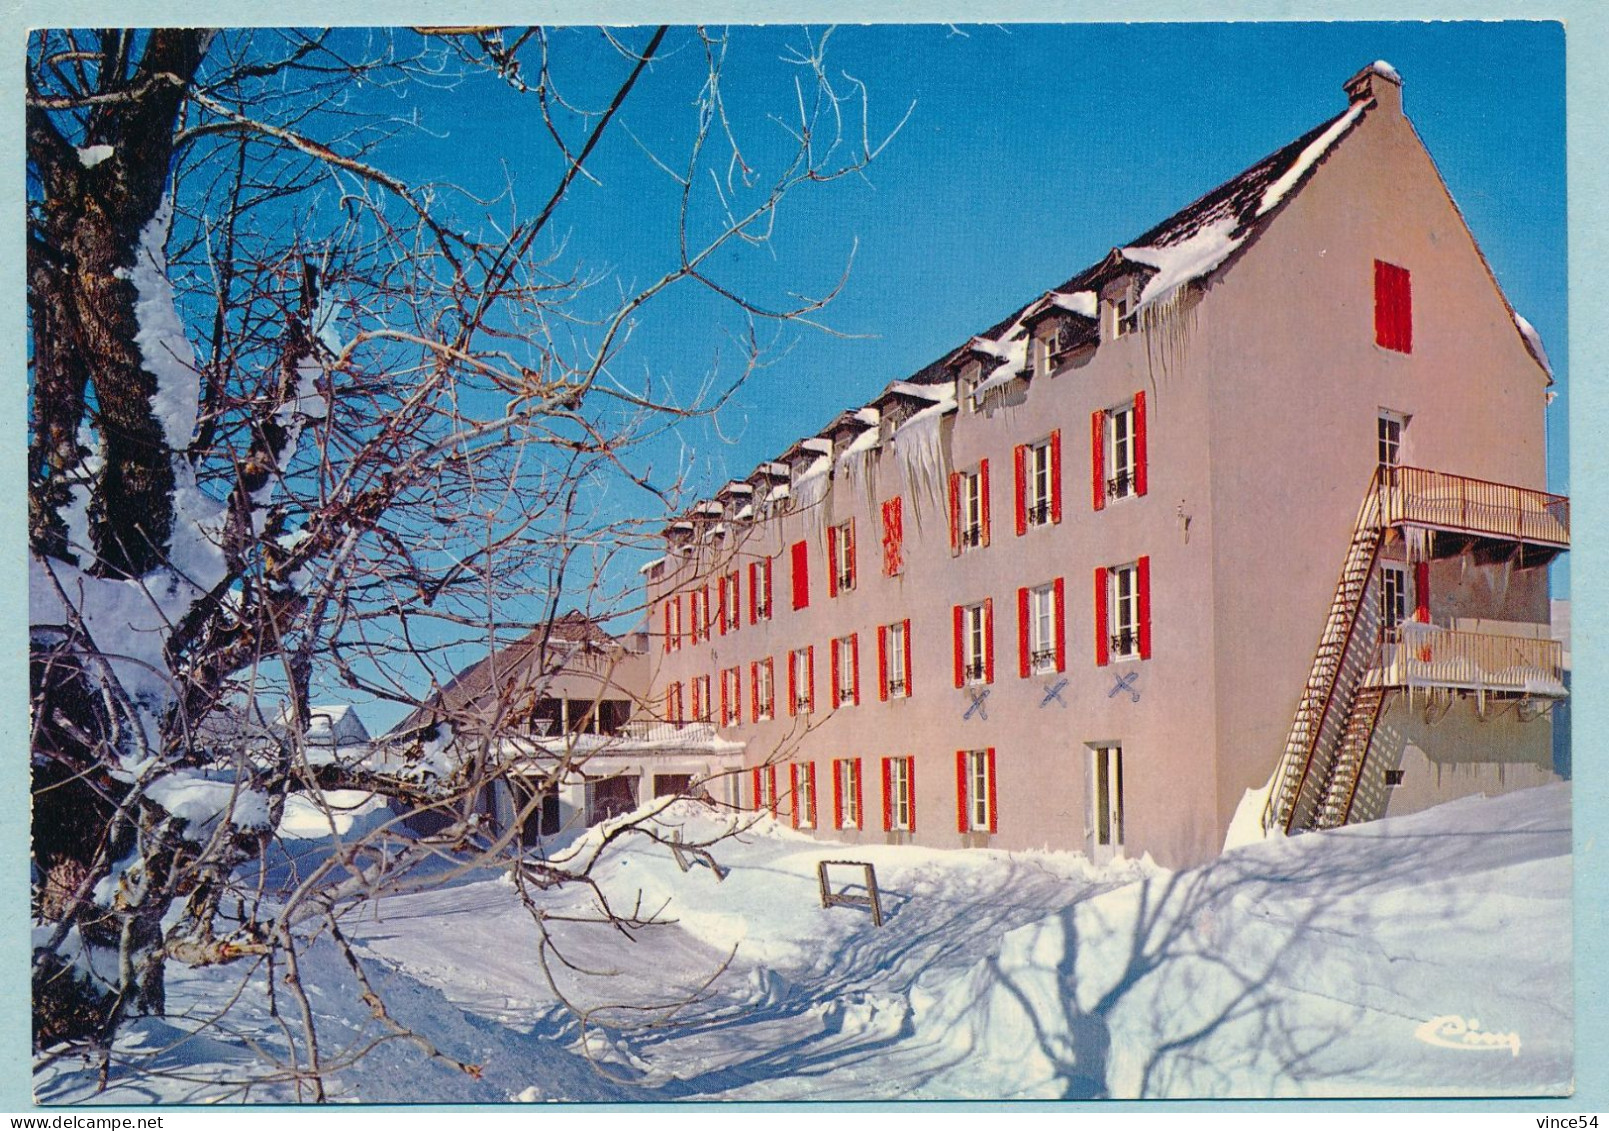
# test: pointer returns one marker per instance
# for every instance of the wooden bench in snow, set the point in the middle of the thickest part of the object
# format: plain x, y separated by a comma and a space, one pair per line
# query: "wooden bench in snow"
682, 852
830, 898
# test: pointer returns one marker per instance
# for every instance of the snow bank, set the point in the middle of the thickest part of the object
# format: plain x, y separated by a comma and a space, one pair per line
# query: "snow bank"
1309, 966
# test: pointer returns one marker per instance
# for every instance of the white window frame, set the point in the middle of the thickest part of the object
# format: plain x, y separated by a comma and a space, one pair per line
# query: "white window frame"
1390, 431
1393, 595
1039, 483
804, 691
899, 788
1042, 617
970, 518
730, 591
843, 548
1043, 346
674, 605
974, 643
703, 709
849, 793
765, 699
768, 799
700, 614
762, 589
1123, 605
806, 798
1122, 462
897, 661
848, 652
1106, 797
980, 798
731, 696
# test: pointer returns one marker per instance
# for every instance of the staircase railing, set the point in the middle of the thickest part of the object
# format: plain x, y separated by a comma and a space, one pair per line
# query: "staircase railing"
1318, 694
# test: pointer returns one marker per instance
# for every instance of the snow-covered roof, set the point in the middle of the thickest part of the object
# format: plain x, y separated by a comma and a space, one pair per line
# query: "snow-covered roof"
649, 567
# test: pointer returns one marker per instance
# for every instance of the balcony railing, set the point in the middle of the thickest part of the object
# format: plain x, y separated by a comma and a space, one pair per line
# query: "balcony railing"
1424, 655
897, 687
1120, 486
972, 535
1437, 499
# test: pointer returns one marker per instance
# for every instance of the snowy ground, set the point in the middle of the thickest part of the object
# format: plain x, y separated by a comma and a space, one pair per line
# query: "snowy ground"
1421, 955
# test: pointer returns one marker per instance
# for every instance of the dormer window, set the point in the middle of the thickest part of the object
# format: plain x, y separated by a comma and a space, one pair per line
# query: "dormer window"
1120, 311
1043, 347
971, 378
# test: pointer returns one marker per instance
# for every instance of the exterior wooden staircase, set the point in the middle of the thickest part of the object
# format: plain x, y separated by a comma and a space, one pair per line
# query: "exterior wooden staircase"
1357, 666
1346, 769
1312, 763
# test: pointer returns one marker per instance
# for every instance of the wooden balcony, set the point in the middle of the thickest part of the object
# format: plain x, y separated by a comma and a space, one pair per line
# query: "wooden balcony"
1495, 520
1414, 655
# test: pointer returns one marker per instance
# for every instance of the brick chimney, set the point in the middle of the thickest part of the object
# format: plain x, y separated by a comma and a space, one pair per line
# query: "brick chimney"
1379, 81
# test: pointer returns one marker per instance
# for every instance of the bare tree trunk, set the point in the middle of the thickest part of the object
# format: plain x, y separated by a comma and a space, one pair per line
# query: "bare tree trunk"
83, 303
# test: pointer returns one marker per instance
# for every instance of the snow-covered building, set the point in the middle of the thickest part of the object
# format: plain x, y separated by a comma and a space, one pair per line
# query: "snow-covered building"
569, 693
1250, 517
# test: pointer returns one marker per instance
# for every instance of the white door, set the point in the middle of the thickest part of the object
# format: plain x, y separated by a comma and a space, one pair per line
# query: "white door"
1106, 802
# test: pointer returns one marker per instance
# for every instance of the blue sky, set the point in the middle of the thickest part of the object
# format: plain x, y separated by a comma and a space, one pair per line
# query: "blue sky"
1030, 150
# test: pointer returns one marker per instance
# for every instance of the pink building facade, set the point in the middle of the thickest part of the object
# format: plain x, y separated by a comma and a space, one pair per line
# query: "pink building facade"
1245, 524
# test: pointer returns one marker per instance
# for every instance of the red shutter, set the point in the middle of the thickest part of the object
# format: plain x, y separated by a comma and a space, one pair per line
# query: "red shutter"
1102, 655
1055, 476
994, 798
1097, 455
770, 594
1393, 307
888, 794
860, 807
910, 662
754, 592
771, 779
737, 694
837, 794
725, 703
1144, 572
983, 495
1060, 622
832, 561
955, 512
1140, 477
988, 640
1019, 461
960, 661
793, 685
720, 607
754, 691
882, 663
833, 663
705, 627
961, 791
810, 775
1421, 588
854, 665
757, 789
793, 791
1022, 632
893, 536
910, 784
801, 575
667, 624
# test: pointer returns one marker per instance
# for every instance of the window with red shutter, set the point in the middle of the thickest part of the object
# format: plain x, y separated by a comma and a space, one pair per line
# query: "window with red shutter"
1393, 307
893, 536
801, 575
